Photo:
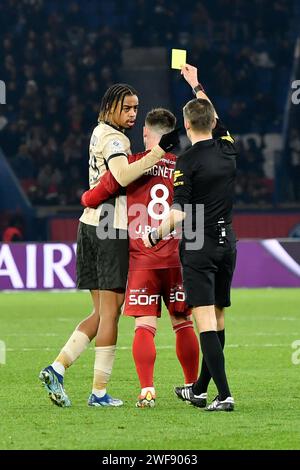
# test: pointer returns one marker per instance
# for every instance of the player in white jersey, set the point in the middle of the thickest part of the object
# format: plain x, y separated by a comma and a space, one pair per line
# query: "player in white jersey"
102, 261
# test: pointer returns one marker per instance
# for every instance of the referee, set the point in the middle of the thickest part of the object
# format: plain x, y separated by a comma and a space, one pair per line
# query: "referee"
204, 177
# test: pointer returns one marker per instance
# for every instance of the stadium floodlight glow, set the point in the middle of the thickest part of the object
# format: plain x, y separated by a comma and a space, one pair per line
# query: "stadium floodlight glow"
2, 92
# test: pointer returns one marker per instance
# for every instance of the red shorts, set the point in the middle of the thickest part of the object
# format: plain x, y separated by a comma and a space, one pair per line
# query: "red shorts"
145, 289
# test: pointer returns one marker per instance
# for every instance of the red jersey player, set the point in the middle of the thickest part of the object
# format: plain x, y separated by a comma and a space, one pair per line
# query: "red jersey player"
153, 274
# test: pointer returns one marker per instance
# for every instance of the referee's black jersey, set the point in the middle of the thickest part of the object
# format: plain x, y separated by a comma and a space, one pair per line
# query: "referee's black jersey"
205, 174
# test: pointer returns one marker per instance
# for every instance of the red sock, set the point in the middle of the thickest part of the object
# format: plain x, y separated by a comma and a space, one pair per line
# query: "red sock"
144, 354
187, 350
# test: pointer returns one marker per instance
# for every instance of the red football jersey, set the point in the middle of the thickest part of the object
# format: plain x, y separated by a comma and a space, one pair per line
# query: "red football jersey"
148, 202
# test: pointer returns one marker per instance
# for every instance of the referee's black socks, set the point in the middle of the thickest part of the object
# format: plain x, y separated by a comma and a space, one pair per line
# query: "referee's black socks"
202, 383
214, 358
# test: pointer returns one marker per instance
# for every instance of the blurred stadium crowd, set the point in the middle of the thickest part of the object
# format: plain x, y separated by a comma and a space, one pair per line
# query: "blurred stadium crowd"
58, 58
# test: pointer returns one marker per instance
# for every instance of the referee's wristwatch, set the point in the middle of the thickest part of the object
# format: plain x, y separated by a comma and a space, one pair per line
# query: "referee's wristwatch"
197, 88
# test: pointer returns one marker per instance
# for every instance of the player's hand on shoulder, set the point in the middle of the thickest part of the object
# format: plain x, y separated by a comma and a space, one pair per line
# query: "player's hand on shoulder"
169, 141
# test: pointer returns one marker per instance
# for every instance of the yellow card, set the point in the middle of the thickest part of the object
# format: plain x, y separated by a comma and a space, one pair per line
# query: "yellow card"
178, 58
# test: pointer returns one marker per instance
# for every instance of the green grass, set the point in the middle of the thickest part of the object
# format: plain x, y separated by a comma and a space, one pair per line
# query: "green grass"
261, 326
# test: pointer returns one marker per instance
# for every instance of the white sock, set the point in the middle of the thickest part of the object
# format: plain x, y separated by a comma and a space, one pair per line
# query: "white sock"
148, 389
104, 359
75, 345
58, 367
73, 348
99, 393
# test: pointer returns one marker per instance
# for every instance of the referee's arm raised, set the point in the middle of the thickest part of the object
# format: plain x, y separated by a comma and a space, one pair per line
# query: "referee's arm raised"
190, 73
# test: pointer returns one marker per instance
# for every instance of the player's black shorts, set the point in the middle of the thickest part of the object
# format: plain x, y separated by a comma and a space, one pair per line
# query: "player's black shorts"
100, 264
207, 273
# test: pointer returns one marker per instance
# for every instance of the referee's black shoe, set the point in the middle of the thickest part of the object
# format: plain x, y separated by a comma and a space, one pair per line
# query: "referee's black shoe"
187, 394
224, 405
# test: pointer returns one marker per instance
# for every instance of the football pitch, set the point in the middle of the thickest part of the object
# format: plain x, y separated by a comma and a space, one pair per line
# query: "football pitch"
262, 368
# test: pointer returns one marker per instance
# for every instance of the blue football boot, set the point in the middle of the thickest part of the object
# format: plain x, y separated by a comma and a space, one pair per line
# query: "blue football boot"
54, 384
107, 400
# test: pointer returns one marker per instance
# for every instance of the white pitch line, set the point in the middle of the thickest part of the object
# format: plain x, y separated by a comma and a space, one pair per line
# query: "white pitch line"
287, 318
127, 348
272, 334
162, 334
19, 335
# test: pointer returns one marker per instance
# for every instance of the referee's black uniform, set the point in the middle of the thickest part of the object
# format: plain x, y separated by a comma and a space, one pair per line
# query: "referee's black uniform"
205, 174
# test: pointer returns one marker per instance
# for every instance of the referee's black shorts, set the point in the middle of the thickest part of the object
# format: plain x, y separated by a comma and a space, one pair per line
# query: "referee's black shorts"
100, 264
207, 273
